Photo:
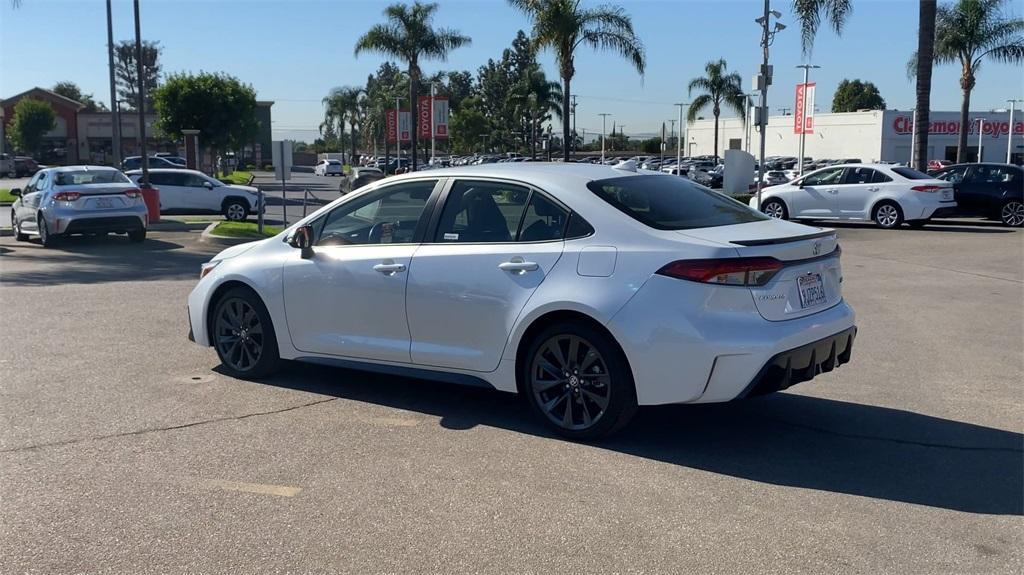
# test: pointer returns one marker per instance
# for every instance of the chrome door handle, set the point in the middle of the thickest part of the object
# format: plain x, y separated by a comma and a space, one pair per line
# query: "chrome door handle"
389, 269
872, 189
518, 267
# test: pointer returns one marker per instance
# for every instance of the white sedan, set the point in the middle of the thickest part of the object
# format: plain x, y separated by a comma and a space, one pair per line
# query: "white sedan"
886, 194
328, 168
193, 192
587, 288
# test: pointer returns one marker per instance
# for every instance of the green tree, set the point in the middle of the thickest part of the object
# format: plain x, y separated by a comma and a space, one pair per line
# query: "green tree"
126, 72
855, 95
971, 31
718, 87
468, 124
221, 107
341, 105
72, 91
31, 121
563, 26
410, 36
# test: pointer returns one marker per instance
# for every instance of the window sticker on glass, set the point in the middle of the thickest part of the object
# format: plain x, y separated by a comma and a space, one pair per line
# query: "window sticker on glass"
451, 236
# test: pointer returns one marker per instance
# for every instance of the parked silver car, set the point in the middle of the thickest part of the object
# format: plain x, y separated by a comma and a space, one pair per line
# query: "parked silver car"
59, 202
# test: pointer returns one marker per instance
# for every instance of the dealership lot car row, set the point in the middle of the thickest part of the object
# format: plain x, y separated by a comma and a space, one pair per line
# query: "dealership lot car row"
589, 289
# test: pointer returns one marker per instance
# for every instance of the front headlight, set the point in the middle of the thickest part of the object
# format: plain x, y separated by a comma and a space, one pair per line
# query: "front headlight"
207, 267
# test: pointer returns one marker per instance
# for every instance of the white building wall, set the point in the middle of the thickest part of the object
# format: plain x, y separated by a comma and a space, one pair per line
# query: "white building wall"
884, 135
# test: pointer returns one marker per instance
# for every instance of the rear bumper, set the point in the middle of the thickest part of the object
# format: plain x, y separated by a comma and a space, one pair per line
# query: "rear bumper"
101, 224
944, 213
802, 364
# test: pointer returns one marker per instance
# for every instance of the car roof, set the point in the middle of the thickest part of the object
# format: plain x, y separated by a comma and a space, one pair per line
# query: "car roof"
539, 174
164, 171
79, 168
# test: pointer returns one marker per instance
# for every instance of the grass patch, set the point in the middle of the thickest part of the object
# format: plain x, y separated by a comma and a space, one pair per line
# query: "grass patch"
6, 197
240, 178
245, 230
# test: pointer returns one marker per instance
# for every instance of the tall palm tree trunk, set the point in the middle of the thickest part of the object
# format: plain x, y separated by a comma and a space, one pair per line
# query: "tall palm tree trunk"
565, 119
716, 136
966, 84
414, 80
925, 58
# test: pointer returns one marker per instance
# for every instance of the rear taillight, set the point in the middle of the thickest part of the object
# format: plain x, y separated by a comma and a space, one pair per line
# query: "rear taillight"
928, 188
727, 271
133, 193
66, 196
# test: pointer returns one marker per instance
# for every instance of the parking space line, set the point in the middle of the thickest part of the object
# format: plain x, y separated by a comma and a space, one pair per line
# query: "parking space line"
258, 488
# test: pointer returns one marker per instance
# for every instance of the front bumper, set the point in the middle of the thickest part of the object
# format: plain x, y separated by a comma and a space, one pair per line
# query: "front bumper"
802, 364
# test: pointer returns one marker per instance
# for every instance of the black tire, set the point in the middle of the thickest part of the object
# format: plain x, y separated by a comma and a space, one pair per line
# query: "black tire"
605, 377
233, 334
1011, 213
137, 236
45, 237
775, 209
235, 210
887, 215
18, 235
918, 224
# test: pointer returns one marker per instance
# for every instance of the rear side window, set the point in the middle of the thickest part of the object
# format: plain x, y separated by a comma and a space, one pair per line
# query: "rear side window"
911, 174
544, 220
667, 203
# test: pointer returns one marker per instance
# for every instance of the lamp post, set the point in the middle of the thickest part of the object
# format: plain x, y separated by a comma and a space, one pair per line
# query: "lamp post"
141, 91
800, 159
604, 130
682, 133
115, 116
1009, 135
764, 78
913, 135
981, 132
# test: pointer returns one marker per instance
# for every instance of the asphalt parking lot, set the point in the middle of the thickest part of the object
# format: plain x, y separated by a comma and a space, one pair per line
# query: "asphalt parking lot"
124, 450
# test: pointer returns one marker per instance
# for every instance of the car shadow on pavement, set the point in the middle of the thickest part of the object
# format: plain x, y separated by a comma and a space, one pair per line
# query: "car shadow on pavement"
954, 226
101, 259
782, 439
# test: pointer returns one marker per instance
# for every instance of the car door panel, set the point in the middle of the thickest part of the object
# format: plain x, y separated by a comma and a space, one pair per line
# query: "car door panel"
853, 196
816, 197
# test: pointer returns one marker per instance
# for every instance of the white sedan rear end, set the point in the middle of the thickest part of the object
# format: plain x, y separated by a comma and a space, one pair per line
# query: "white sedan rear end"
328, 168
886, 194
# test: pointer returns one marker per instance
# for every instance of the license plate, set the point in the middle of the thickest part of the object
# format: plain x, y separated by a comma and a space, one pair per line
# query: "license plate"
104, 203
812, 290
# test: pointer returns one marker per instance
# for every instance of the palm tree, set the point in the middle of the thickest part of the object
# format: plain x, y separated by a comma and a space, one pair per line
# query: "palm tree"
409, 36
562, 25
968, 32
340, 105
719, 88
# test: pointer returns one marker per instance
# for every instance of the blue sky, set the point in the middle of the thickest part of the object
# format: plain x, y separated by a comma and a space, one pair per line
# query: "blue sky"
294, 51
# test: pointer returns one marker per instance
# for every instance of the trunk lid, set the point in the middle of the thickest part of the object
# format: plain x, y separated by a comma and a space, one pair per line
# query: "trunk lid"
810, 280
98, 197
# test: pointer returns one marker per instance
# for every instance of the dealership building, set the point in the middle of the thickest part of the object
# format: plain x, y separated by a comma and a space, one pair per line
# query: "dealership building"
876, 135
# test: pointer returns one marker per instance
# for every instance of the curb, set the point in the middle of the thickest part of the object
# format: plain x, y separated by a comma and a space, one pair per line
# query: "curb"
207, 237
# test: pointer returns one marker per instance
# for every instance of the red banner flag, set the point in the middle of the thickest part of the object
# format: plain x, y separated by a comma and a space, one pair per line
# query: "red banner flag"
391, 125
423, 117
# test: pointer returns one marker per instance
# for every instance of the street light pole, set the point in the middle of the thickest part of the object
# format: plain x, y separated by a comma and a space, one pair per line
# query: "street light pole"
141, 93
682, 131
800, 159
115, 117
764, 78
1009, 135
913, 135
981, 132
604, 131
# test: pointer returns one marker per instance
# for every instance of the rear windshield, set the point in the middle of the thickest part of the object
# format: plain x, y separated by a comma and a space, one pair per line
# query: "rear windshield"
912, 174
672, 203
79, 177
333, 162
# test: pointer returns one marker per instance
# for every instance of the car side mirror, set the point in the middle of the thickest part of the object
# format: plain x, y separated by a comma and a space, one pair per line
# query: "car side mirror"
208, 185
302, 239
16, 192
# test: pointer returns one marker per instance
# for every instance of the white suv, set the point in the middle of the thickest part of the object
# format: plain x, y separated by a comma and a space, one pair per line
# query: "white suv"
193, 192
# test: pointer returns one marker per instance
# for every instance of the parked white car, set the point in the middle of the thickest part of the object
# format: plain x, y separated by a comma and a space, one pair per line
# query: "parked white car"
193, 192
589, 289
328, 168
888, 195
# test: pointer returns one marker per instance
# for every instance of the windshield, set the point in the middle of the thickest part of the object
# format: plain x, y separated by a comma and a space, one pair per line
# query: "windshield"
671, 203
78, 177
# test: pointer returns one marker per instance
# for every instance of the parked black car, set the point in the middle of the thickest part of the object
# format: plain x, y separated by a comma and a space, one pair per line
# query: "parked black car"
988, 190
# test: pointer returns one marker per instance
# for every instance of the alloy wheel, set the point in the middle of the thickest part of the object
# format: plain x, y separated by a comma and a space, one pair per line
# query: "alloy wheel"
235, 212
238, 334
887, 216
44, 232
774, 210
1012, 213
570, 381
